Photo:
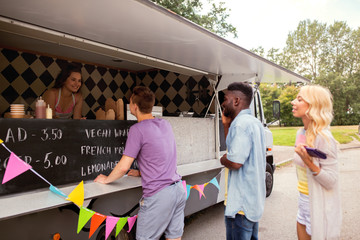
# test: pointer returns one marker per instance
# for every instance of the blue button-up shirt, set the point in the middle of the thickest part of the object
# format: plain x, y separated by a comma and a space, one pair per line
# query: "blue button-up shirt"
246, 186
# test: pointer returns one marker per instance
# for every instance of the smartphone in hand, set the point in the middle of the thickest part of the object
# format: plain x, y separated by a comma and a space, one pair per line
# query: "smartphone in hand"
315, 153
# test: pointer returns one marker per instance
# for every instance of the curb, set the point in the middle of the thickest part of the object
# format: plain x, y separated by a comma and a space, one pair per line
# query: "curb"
283, 162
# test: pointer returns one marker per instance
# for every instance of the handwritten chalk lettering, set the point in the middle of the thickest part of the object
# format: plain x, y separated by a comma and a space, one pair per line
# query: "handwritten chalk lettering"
97, 168
95, 150
121, 132
119, 150
51, 134
11, 135
92, 133
27, 159
51, 162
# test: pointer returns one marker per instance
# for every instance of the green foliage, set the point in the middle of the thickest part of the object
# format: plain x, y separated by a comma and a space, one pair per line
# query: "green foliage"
214, 20
329, 56
303, 47
269, 93
288, 94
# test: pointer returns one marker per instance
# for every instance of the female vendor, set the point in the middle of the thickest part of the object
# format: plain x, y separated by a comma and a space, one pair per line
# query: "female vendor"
65, 98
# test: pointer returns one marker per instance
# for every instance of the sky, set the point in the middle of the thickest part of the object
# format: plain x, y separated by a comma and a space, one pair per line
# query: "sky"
267, 23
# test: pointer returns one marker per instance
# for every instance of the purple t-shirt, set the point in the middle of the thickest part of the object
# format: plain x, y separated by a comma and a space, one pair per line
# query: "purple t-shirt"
152, 143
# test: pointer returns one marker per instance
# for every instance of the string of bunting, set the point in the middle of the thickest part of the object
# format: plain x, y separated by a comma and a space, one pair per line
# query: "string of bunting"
17, 166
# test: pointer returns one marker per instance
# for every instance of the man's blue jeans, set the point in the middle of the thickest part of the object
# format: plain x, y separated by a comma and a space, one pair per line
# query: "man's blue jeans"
240, 228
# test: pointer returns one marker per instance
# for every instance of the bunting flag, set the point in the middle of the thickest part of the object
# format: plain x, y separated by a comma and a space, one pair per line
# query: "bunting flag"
96, 221
131, 221
120, 224
77, 195
110, 224
188, 187
14, 168
215, 182
200, 188
1, 141
57, 191
202, 191
184, 186
84, 216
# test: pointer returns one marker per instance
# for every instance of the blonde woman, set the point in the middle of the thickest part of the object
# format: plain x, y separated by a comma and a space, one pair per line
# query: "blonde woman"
319, 212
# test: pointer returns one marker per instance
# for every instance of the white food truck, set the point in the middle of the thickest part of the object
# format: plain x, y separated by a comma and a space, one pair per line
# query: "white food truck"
120, 44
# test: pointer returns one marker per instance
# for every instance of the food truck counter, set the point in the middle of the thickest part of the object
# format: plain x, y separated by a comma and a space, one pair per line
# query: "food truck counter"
43, 199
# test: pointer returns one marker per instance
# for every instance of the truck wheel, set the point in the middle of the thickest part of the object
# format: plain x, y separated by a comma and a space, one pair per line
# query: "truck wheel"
269, 179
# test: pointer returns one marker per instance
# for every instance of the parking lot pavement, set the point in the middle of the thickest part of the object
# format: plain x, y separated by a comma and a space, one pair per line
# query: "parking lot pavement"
282, 154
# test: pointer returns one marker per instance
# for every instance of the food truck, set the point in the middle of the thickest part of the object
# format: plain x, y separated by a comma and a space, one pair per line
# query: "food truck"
120, 44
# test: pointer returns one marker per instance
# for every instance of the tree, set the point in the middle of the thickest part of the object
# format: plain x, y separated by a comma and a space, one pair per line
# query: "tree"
329, 56
214, 20
274, 55
259, 51
269, 93
337, 49
288, 94
304, 47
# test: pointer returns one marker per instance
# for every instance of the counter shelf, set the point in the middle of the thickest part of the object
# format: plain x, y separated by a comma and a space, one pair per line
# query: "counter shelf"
19, 204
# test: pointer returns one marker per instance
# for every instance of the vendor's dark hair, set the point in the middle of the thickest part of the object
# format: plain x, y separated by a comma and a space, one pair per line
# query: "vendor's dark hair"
65, 73
144, 98
243, 87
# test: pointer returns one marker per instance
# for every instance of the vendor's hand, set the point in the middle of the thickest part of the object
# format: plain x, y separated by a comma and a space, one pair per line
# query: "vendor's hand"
101, 179
134, 173
301, 151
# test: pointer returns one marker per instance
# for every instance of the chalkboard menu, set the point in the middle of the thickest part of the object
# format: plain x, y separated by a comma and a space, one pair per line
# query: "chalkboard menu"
62, 151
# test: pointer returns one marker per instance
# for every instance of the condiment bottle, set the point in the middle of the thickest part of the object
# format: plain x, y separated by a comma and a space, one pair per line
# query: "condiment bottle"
40, 110
48, 112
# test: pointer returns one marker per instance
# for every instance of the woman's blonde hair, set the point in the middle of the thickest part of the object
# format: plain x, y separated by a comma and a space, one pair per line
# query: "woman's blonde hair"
320, 111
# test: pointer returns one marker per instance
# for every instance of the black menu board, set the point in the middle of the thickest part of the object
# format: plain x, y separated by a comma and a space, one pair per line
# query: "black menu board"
61, 151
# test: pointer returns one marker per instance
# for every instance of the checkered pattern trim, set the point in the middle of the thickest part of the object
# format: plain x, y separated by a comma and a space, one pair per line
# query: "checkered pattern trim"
25, 76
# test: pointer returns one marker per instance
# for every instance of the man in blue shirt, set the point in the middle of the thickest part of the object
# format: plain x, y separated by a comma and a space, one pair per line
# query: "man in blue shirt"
246, 161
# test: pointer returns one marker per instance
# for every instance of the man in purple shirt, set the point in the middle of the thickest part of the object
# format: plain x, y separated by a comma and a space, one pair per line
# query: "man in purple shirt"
151, 141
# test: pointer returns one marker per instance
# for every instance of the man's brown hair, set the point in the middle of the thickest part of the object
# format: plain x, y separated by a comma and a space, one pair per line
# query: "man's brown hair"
144, 98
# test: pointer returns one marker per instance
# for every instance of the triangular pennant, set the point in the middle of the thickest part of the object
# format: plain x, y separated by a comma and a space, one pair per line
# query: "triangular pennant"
188, 187
57, 191
110, 224
96, 221
77, 195
205, 184
215, 182
14, 168
131, 221
120, 224
184, 186
84, 216
200, 188
1, 141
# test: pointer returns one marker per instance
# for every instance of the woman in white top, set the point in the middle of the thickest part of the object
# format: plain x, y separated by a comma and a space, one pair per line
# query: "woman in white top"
319, 212
65, 98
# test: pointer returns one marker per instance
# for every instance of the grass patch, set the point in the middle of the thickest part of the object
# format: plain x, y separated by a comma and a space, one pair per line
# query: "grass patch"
285, 136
